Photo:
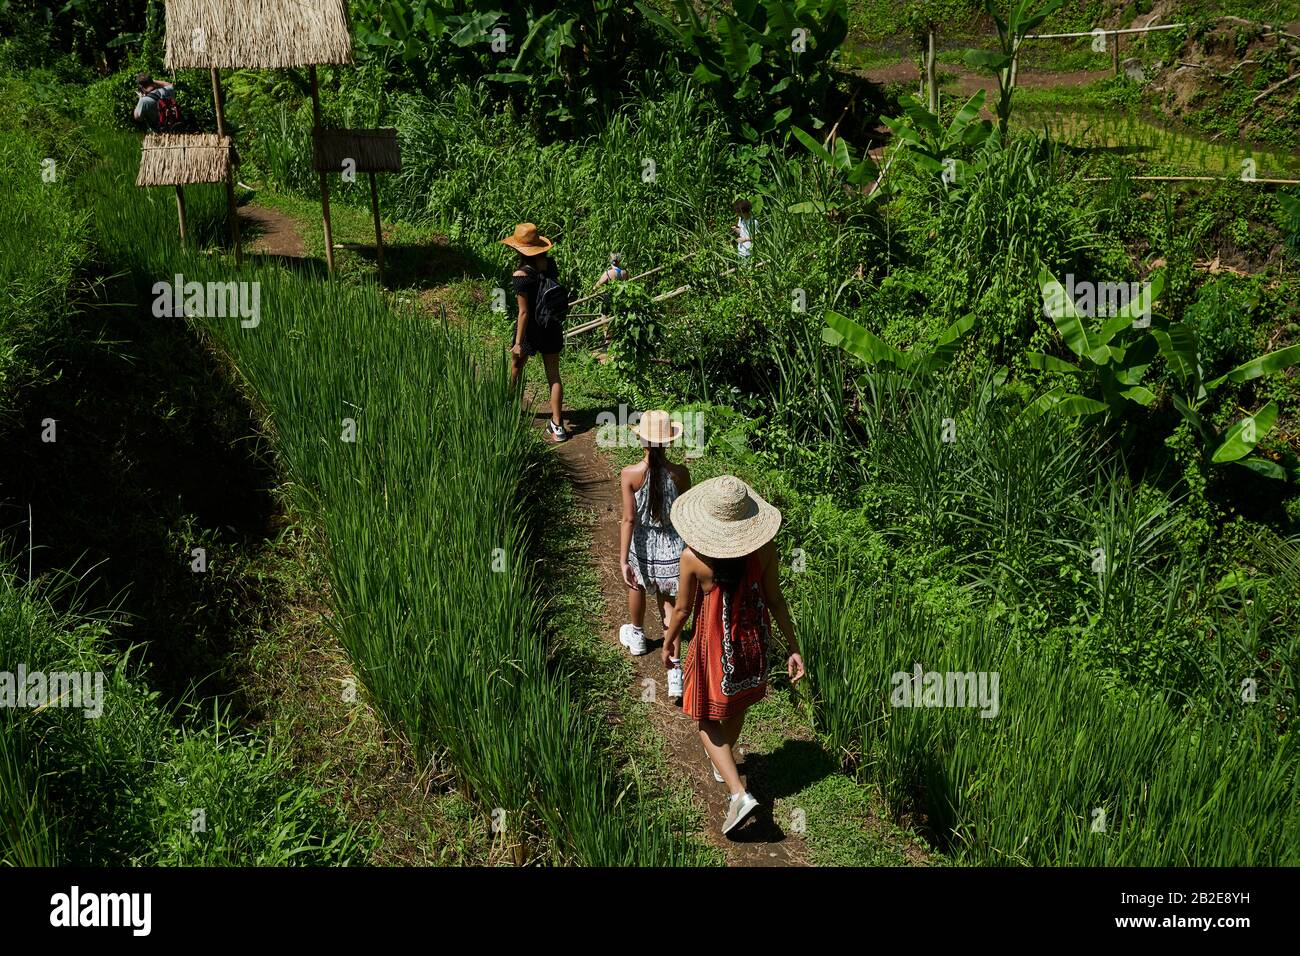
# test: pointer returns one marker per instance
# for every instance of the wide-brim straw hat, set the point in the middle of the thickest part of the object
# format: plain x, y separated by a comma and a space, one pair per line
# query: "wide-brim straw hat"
724, 518
657, 428
527, 240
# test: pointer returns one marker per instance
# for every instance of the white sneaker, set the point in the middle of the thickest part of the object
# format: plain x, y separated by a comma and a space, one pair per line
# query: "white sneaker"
633, 638
675, 682
738, 807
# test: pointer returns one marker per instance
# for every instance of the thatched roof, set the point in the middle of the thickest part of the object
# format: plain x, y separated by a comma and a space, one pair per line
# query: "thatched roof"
177, 159
256, 34
373, 150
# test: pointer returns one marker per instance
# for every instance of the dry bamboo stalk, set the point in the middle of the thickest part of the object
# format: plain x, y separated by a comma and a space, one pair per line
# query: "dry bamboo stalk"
1079, 36
649, 272
1195, 179
1274, 88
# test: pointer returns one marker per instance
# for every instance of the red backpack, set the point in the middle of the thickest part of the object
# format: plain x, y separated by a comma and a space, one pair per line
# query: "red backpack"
169, 111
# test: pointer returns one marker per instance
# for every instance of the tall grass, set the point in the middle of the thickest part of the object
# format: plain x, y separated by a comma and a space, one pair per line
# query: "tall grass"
133, 786
1066, 772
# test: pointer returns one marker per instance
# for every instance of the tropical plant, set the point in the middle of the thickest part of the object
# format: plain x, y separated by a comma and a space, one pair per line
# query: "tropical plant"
936, 147
565, 62
860, 342
1120, 352
765, 62
1012, 25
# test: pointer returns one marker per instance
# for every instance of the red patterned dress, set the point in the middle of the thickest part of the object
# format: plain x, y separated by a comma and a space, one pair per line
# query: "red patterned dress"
726, 666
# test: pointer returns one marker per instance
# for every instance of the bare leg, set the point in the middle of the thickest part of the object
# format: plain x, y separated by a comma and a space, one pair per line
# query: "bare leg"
636, 606
517, 363
552, 363
714, 739
666, 604
731, 727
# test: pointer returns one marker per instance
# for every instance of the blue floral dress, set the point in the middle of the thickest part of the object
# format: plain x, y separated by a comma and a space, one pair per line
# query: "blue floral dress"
656, 549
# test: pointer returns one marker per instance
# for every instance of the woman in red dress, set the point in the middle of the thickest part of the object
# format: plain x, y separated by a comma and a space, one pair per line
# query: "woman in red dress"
730, 581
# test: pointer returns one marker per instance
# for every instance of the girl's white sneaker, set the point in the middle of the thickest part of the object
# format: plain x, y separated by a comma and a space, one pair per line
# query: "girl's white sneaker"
633, 638
739, 806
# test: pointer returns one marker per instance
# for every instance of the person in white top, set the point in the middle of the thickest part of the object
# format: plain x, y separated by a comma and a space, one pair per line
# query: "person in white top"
744, 229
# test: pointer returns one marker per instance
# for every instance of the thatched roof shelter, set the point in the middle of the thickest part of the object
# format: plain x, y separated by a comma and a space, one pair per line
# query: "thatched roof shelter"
256, 34
177, 159
373, 150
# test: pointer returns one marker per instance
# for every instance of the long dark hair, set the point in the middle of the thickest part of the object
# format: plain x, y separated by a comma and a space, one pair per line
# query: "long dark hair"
658, 472
728, 572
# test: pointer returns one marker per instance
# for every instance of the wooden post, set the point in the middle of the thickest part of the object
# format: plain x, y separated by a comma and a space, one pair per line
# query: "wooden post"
324, 182
1114, 52
930, 72
180, 210
379, 229
232, 209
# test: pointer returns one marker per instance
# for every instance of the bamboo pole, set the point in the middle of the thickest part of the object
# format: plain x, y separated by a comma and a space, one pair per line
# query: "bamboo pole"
324, 182
662, 297
379, 231
1114, 52
1079, 36
1194, 179
232, 209
648, 272
180, 210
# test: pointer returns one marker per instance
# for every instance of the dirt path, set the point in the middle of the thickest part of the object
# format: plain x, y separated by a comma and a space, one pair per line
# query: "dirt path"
273, 233
759, 841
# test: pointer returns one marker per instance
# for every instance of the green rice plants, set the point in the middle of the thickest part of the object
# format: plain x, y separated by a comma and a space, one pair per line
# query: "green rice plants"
1053, 769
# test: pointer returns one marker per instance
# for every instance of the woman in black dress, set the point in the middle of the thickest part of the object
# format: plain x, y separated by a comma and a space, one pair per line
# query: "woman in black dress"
530, 337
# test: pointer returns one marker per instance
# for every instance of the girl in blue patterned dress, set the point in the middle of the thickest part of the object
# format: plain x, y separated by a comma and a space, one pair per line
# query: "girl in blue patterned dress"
649, 546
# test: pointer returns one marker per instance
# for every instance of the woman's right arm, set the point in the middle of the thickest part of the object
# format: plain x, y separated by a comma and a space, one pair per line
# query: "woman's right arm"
682, 607
626, 529
520, 323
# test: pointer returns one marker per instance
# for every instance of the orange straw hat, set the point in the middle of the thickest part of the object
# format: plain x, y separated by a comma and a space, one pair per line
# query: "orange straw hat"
527, 240
655, 428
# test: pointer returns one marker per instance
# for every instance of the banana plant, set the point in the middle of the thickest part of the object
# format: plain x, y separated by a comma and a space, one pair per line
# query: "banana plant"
873, 351
1003, 62
773, 54
1179, 347
936, 146
839, 157
1117, 354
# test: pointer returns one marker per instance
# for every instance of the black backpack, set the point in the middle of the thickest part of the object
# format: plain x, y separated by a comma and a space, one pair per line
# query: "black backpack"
551, 303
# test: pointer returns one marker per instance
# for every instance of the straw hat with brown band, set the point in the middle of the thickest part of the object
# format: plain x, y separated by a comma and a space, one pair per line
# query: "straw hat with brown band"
656, 428
527, 240
724, 518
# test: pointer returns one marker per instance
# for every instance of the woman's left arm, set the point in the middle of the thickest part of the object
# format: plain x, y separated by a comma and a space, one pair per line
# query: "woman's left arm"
780, 610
